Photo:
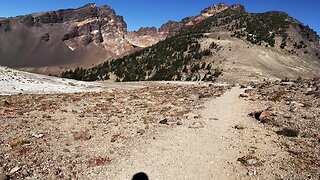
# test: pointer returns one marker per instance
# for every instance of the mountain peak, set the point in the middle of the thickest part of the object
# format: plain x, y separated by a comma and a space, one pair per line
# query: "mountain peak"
91, 5
209, 11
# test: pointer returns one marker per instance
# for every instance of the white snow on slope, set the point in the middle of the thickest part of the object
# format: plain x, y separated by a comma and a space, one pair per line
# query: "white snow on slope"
15, 82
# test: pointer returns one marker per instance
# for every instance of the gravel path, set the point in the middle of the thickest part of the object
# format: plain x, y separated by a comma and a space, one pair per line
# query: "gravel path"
210, 152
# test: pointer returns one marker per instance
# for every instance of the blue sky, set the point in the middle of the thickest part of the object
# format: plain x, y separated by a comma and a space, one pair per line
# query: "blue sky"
138, 13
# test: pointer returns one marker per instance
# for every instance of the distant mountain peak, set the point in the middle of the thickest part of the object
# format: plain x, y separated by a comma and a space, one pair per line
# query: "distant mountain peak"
214, 9
91, 34
92, 5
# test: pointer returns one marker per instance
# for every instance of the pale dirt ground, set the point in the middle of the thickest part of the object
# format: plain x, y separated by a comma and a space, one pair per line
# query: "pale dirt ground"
243, 62
205, 153
18, 82
126, 136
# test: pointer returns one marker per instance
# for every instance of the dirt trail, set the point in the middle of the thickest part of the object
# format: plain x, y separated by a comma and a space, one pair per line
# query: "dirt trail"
204, 153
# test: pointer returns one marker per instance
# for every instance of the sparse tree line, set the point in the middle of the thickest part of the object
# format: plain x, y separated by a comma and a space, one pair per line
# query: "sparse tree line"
172, 59
178, 57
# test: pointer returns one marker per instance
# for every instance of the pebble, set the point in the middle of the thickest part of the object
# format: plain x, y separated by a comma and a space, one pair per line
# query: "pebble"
141, 131
243, 95
191, 115
82, 135
4, 103
251, 161
240, 127
248, 160
196, 125
15, 169
251, 172
66, 150
37, 135
164, 121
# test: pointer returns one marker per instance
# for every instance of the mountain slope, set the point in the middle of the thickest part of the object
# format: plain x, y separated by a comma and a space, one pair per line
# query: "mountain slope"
234, 45
50, 42
64, 38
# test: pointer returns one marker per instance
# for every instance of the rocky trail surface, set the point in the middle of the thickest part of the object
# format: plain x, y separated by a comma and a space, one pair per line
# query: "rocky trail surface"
166, 130
219, 141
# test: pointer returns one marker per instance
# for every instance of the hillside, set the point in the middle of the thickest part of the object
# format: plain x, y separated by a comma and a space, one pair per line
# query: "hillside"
232, 45
50, 42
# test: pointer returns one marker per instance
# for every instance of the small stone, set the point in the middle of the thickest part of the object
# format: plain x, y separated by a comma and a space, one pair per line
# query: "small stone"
37, 135
240, 127
141, 131
4, 103
14, 170
196, 125
82, 135
293, 109
66, 150
265, 114
179, 123
248, 160
114, 137
46, 116
191, 115
251, 161
164, 121
262, 116
251, 172
244, 95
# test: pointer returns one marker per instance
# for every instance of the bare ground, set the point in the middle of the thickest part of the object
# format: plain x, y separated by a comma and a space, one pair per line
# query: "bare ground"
168, 131
208, 152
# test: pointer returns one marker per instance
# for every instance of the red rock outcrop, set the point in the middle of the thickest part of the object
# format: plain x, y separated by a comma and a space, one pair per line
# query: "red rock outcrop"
50, 42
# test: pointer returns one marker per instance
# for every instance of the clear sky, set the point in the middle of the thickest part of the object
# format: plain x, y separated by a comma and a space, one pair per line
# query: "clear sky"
147, 13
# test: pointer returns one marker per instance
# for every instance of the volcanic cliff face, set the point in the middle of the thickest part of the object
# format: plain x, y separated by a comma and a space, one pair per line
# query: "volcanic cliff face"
146, 37
63, 38
50, 42
222, 43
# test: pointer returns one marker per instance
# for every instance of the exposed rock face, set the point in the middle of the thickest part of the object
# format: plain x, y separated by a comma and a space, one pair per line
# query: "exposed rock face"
50, 42
63, 38
145, 37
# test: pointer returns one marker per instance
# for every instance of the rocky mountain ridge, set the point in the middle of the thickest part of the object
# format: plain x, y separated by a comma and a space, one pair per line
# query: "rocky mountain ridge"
49, 42
233, 45
146, 37
82, 37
